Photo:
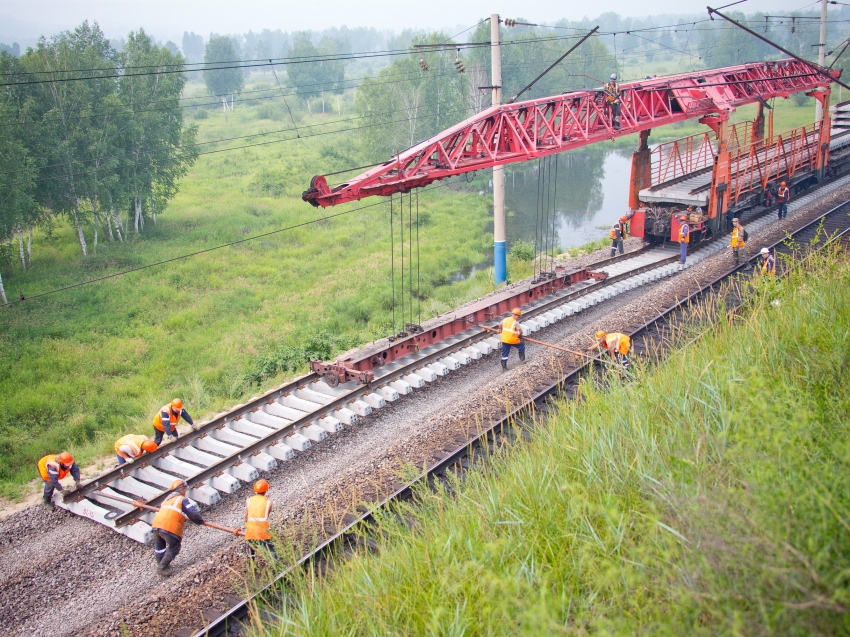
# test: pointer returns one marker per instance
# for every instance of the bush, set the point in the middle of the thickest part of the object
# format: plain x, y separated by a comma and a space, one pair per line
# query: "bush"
522, 250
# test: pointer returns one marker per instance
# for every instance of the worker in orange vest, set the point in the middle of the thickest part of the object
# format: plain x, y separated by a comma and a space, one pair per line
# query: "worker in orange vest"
684, 238
258, 508
783, 196
52, 469
612, 97
132, 446
739, 240
512, 337
618, 344
165, 422
168, 526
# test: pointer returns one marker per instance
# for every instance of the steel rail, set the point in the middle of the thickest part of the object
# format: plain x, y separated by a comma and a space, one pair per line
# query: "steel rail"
240, 610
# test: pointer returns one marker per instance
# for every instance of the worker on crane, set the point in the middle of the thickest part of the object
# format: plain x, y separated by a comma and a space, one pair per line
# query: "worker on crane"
612, 96
168, 526
132, 446
618, 344
766, 262
783, 196
257, 512
52, 469
512, 337
684, 238
739, 240
165, 422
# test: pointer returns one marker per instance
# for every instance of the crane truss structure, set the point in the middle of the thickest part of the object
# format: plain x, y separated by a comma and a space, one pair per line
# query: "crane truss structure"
535, 128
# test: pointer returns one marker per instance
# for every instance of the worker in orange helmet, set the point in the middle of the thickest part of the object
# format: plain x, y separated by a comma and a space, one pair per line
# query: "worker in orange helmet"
52, 469
684, 239
618, 235
168, 526
132, 446
258, 508
165, 422
783, 196
618, 344
511, 332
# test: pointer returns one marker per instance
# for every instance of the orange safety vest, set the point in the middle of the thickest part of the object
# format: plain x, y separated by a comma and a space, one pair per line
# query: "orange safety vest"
133, 441
257, 521
619, 342
768, 265
612, 92
738, 237
783, 194
51, 461
684, 233
157, 421
170, 516
510, 331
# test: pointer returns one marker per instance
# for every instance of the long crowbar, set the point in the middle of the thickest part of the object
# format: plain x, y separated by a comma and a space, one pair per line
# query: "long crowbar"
563, 349
142, 505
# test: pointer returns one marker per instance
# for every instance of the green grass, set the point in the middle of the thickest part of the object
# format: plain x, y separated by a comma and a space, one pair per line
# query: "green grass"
709, 497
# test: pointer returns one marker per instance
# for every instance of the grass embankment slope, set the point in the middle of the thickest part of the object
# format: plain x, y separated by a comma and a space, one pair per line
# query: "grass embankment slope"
710, 496
80, 368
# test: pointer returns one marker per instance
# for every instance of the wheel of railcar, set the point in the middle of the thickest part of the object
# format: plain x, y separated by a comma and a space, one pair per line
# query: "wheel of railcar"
332, 378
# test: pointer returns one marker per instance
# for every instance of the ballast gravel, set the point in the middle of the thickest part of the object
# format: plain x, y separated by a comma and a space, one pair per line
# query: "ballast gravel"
61, 575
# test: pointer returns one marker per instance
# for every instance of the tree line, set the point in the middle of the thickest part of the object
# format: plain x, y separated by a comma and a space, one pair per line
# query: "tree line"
105, 153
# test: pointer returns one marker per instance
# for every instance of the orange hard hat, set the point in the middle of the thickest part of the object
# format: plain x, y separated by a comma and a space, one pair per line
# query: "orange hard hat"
149, 445
66, 459
601, 334
781, 183
261, 486
177, 403
624, 218
179, 484
517, 311
682, 217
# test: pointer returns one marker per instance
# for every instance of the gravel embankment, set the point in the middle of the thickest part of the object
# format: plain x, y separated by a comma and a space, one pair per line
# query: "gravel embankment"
64, 575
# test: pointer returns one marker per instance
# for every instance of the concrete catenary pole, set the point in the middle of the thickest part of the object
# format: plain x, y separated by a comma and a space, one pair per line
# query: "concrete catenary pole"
821, 53
500, 261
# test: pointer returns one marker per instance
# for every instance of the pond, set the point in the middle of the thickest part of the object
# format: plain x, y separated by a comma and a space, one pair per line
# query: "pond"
577, 195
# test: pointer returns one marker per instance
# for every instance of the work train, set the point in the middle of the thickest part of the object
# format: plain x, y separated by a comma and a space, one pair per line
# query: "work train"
680, 177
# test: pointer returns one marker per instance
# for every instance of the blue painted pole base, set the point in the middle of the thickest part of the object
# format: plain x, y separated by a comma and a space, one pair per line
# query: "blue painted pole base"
500, 262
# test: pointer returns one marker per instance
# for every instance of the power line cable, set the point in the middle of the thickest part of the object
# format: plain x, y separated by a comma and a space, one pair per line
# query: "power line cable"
219, 247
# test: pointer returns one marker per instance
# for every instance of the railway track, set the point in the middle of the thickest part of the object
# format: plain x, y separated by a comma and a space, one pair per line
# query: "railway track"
237, 446
650, 337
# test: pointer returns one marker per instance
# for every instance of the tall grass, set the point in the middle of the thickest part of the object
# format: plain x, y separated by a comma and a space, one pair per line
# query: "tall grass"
709, 496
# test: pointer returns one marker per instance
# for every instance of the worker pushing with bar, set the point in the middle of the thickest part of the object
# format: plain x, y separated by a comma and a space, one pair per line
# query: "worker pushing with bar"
165, 422
52, 469
168, 526
619, 345
512, 337
132, 446
258, 509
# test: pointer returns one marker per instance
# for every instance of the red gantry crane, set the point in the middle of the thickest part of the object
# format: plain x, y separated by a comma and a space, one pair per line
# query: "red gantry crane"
535, 128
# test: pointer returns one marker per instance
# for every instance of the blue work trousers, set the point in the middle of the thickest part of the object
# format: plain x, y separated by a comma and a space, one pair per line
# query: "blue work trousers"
506, 349
683, 251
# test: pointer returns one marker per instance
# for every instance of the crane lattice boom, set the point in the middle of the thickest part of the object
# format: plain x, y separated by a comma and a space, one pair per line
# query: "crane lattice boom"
536, 128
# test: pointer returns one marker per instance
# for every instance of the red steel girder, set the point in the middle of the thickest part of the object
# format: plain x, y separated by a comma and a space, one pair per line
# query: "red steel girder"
535, 128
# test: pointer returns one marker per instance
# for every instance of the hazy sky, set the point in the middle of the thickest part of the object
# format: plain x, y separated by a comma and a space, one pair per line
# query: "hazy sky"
167, 19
